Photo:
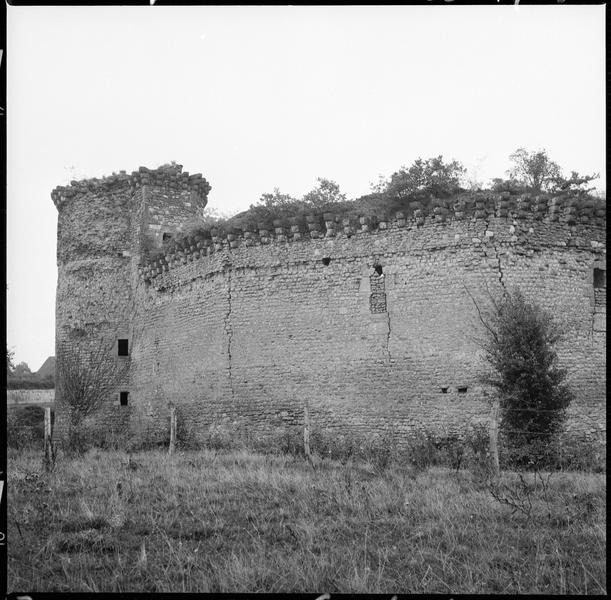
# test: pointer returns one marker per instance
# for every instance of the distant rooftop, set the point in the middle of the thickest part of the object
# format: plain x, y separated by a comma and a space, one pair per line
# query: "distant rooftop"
48, 368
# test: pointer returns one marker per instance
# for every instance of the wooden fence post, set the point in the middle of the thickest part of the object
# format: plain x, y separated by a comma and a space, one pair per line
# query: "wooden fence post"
172, 429
47, 440
494, 440
306, 431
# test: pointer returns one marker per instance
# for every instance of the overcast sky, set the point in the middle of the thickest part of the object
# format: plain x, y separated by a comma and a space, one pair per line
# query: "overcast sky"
262, 97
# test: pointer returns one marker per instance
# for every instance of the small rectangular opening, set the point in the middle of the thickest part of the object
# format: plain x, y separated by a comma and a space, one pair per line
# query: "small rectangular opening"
444, 390
462, 389
123, 347
377, 302
600, 279
167, 237
123, 396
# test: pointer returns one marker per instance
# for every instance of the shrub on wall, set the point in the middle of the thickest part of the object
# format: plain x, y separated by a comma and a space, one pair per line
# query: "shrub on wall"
426, 178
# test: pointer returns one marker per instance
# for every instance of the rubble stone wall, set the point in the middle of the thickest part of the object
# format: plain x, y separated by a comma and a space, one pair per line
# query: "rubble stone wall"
369, 321
104, 225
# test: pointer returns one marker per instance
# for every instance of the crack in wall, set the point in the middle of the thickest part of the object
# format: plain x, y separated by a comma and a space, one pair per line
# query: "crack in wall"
598, 307
501, 274
229, 330
496, 254
388, 334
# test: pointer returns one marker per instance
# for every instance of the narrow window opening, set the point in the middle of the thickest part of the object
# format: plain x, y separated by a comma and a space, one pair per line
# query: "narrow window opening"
444, 390
123, 396
462, 390
326, 260
123, 346
377, 300
600, 279
167, 237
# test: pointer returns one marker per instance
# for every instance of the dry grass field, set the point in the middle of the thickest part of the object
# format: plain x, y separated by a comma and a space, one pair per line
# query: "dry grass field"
238, 521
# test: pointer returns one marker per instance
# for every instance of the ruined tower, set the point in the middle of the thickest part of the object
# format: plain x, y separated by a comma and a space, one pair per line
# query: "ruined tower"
104, 227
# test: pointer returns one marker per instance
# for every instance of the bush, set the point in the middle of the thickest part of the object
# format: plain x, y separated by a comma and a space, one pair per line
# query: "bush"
581, 452
532, 389
25, 427
566, 452
88, 377
30, 383
477, 441
327, 444
290, 441
419, 451
382, 450
426, 178
508, 185
450, 449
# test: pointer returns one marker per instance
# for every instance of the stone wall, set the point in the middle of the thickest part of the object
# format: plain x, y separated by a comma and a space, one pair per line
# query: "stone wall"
253, 327
102, 228
369, 320
30, 397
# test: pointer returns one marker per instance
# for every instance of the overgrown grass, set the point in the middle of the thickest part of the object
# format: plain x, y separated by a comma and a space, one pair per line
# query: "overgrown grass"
237, 521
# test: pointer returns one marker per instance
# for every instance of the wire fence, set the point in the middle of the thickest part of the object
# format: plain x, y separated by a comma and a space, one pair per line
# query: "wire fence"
578, 448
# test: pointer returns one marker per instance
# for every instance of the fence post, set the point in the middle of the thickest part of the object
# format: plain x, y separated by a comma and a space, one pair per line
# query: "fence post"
306, 431
47, 440
494, 440
172, 429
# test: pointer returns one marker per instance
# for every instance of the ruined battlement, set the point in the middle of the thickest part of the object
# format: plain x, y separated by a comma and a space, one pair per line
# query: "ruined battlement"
527, 221
171, 177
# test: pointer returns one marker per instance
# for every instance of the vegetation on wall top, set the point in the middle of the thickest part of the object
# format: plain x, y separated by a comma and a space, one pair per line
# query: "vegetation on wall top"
425, 182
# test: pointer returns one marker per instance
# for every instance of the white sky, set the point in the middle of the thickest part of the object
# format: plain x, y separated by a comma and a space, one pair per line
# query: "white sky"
262, 97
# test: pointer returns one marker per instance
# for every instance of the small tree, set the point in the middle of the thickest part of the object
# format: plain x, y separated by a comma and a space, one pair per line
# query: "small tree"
513, 186
576, 183
520, 347
325, 193
277, 205
379, 186
271, 205
86, 380
275, 200
21, 370
534, 169
430, 177
213, 216
10, 365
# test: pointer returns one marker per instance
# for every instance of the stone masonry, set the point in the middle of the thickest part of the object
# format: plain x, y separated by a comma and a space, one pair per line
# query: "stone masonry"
369, 320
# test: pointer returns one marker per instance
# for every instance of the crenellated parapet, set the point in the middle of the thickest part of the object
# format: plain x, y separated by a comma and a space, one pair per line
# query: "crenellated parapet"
170, 177
474, 219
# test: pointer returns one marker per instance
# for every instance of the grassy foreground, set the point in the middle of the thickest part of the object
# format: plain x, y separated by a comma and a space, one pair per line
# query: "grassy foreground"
244, 522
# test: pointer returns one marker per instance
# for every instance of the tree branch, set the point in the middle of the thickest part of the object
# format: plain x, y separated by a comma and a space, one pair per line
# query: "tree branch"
481, 318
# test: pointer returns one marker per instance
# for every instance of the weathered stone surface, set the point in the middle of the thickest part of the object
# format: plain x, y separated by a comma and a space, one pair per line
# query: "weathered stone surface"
250, 330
